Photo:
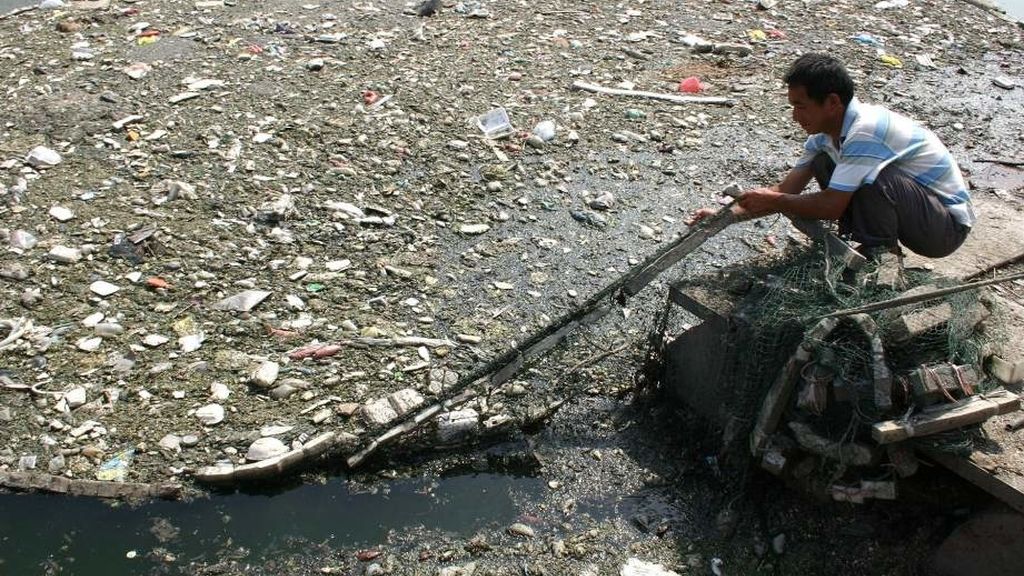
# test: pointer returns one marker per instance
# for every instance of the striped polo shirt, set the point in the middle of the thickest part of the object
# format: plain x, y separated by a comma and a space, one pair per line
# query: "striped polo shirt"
874, 137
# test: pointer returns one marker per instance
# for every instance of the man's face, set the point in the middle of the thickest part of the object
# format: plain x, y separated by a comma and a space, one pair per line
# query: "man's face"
812, 116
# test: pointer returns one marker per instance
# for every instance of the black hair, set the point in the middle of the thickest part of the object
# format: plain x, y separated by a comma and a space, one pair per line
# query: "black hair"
821, 75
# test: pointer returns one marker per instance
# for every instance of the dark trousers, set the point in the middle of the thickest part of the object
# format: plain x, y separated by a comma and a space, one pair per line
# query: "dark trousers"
895, 209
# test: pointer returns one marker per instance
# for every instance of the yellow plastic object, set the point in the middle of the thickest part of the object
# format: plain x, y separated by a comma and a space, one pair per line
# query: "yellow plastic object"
890, 60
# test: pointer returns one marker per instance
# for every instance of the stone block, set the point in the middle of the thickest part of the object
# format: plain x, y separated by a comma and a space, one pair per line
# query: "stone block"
379, 412
405, 401
457, 425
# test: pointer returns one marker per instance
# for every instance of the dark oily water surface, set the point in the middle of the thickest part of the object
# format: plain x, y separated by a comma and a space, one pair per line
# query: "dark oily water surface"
41, 533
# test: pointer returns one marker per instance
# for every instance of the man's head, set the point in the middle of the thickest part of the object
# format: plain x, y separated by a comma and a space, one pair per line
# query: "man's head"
820, 89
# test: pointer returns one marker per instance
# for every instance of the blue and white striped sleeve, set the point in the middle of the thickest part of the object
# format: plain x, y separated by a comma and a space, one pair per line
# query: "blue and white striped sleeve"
812, 147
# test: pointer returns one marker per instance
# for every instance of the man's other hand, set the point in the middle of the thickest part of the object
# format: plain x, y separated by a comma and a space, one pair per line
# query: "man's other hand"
699, 215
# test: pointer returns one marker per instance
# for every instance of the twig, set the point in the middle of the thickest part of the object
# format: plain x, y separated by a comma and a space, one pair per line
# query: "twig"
588, 87
592, 360
1003, 161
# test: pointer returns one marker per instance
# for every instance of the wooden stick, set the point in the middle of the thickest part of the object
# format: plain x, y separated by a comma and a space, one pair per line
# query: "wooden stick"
904, 300
17, 11
588, 87
1003, 161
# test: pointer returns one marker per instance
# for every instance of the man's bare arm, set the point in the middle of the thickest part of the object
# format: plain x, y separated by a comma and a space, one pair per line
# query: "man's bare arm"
829, 204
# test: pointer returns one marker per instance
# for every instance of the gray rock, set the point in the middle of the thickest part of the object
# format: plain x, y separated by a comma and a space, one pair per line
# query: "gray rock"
535, 141
14, 271
189, 440
283, 391
603, 201
43, 157
243, 301
56, 464
22, 240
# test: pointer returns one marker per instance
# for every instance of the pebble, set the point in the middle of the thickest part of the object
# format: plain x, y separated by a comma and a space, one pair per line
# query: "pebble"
22, 240
535, 141
189, 440
103, 288
210, 414
65, 255
75, 397
219, 391
190, 342
264, 448
108, 329
61, 214
43, 157
283, 391
243, 301
266, 374
474, 229
154, 340
170, 442
779, 543
56, 464
89, 344
603, 201
1004, 82
14, 271
519, 529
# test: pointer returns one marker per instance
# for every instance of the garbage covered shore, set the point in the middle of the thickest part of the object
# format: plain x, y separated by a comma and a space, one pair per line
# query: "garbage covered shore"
245, 240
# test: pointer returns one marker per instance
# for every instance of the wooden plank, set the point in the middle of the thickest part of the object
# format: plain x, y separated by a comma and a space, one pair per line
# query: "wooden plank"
708, 228
775, 401
970, 471
700, 302
816, 231
947, 417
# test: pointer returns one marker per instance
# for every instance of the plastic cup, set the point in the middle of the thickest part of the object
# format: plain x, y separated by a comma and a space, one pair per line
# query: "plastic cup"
495, 123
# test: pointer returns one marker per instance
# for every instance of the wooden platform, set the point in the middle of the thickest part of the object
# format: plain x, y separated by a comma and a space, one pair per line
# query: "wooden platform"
997, 238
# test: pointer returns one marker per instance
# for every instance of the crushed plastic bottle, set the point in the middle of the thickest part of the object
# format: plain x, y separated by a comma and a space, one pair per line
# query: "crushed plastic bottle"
116, 469
865, 39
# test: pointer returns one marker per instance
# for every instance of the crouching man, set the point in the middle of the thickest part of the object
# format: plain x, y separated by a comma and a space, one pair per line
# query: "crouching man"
887, 180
